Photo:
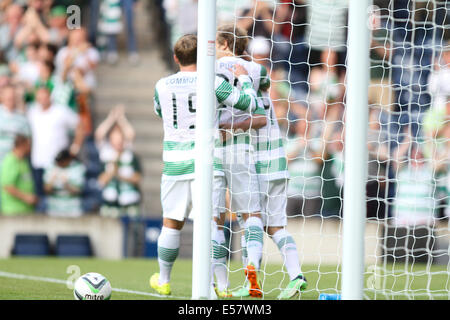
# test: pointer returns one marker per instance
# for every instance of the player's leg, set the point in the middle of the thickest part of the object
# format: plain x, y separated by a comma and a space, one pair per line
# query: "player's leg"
219, 249
244, 201
175, 199
254, 233
244, 251
254, 244
275, 219
219, 258
288, 249
168, 248
242, 220
244, 193
244, 291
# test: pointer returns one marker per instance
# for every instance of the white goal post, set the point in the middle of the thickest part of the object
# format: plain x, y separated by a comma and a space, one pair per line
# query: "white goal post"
355, 151
204, 148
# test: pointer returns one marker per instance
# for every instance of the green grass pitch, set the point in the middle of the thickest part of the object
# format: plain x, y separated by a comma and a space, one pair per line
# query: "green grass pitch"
133, 275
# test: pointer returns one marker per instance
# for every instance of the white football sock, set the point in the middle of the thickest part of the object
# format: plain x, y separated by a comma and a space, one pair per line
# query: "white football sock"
168, 247
219, 259
288, 249
254, 237
244, 251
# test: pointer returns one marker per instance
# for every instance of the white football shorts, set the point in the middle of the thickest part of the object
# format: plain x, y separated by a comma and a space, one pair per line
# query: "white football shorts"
177, 197
273, 202
242, 182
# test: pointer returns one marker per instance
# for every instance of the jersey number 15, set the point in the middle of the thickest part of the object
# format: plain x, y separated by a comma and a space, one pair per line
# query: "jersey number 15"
175, 109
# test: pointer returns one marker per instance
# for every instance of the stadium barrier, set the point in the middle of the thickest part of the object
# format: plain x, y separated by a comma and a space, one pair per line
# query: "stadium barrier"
105, 233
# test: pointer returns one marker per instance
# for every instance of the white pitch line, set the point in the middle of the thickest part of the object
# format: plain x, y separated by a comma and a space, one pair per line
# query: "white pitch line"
65, 282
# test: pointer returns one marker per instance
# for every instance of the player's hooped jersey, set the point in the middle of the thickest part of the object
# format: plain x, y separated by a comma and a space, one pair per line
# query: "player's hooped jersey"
269, 155
235, 148
223, 66
175, 101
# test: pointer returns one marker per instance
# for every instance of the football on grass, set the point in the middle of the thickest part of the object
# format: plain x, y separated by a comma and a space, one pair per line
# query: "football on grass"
92, 286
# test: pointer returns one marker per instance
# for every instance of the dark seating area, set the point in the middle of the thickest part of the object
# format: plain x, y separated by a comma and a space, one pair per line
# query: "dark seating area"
64, 246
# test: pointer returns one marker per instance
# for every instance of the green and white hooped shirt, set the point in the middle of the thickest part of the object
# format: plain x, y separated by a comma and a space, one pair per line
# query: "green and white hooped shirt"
269, 153
175, 101
415, 201
241, 141
110, 21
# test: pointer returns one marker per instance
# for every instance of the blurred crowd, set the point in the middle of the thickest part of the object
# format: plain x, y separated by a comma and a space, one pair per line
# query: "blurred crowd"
52, 160
304, 45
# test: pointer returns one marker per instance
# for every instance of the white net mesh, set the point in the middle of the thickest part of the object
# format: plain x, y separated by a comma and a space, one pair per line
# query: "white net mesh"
303, 46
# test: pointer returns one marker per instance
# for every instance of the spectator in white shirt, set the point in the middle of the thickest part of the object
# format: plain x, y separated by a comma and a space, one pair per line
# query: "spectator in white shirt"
51, 129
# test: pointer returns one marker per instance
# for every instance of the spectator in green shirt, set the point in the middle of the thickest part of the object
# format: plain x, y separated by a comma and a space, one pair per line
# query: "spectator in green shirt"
17, 192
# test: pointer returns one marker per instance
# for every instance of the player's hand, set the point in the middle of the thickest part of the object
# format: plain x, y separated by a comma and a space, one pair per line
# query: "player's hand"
225, 134
225, 131
239, 70
226, 126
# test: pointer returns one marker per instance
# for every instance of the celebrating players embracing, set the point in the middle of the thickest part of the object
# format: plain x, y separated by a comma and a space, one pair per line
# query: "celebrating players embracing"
175, 103
268, 168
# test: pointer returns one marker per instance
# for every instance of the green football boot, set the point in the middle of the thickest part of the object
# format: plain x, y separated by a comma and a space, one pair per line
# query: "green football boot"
294, 288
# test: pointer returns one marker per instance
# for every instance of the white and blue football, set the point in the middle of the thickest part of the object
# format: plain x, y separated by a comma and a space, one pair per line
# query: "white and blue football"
92, 286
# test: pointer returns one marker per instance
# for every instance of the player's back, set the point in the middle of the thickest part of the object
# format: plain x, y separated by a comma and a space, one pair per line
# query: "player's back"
226, 63
177, 100
224, 68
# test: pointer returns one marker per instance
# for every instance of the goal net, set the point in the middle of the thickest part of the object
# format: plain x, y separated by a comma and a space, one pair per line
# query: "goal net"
303, 45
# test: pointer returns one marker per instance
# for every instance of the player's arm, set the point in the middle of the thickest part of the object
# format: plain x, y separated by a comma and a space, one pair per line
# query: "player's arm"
244, 99
156, 103
256, 121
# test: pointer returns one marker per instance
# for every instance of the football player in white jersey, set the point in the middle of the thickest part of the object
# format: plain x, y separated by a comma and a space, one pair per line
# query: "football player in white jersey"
239, 167
271, 171
175, 103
